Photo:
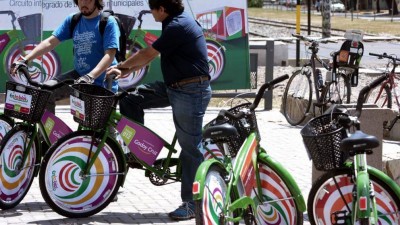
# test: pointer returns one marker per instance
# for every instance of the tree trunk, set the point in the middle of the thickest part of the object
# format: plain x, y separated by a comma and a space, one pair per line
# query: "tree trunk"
391, 4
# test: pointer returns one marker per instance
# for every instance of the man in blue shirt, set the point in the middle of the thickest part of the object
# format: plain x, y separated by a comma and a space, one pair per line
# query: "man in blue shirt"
186, 87
93, 52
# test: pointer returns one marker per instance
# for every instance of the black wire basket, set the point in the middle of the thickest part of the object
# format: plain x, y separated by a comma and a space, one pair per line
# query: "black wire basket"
322, 136
98, 104
243, 126
25, 102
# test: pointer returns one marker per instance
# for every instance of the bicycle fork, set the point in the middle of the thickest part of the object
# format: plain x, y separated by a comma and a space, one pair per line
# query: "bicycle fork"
364, 203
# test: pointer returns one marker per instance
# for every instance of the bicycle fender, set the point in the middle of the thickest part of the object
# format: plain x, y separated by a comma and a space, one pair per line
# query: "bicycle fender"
285, 175
386, 179
198, 184
123, 158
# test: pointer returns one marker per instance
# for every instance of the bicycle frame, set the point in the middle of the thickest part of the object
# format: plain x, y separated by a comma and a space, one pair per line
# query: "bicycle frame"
245, 161
127, 137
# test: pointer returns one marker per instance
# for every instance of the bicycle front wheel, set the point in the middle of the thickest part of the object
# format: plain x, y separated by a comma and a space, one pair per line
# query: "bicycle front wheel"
381, 96
16, 174
64, 185
277, 205
297, 97
327, 206
212, 207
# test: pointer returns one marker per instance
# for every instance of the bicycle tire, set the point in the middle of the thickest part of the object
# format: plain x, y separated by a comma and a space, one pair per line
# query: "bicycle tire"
280, 207
297, 97
324, 198
337, 92
65, 190
208, 208
6, 124
14, 184
383, 99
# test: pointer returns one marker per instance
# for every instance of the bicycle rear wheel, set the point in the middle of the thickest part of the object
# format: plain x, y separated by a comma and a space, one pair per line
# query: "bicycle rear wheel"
337, 93
6, 123
69, 192
277, 205
16, 175
325, 201
297, 97
382, 97
210, 209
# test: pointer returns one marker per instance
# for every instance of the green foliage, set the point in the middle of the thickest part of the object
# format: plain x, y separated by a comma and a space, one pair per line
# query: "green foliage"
255, 3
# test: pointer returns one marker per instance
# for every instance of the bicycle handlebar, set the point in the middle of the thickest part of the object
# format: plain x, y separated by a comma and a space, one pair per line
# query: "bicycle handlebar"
365, 91
259, 95
52, 87
304, 38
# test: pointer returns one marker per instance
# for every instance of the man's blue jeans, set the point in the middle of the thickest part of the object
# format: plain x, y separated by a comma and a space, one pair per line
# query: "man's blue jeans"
189, 104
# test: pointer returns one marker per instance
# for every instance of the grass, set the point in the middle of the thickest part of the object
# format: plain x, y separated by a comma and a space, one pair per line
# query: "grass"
337, 22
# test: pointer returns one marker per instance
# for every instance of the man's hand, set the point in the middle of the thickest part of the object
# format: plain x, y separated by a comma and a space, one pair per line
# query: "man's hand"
87, 79
114, 71
18, 65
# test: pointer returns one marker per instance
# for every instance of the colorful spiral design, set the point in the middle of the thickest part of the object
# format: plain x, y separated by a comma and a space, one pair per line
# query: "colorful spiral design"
68, 188
4, 128
216, 58
330, 201
135, 77
41, 69
282, 209
213, 198
14, 181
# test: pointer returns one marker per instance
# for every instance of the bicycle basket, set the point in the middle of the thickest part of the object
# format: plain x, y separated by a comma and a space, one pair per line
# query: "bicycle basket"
95, 107
322, 137
25, 102
244, 129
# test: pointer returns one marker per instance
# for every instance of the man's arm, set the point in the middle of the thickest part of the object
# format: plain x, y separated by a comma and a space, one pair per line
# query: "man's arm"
140, 59
44, 47
104, 63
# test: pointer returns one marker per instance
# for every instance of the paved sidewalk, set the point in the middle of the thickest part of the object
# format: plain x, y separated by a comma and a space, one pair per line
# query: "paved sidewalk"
142, 203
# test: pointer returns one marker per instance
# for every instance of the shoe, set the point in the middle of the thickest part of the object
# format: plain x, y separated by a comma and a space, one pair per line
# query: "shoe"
185, 211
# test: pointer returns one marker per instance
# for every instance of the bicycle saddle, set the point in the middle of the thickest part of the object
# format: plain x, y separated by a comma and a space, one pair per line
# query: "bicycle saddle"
359, 142
220, 131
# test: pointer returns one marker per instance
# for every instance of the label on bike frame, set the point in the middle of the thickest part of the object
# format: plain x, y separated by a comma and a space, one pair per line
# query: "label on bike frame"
143, 143
77, 107
55, 128
18, 102
245, 164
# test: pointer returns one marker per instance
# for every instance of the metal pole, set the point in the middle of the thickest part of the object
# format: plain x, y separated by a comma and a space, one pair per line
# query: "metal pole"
269, 72
298, 32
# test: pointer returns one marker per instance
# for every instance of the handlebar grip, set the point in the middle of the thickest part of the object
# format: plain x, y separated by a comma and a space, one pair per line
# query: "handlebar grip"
374, 54
25, 72
110, 80
365, 91
264, 87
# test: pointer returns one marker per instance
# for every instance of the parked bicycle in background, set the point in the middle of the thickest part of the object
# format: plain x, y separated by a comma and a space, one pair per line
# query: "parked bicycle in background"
387, 94
298, 96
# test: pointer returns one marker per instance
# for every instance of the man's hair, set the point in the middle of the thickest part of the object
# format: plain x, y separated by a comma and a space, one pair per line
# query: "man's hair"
172, 7
98, 3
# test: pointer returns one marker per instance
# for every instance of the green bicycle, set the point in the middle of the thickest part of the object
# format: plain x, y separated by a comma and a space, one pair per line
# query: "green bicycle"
350, 192
245, 183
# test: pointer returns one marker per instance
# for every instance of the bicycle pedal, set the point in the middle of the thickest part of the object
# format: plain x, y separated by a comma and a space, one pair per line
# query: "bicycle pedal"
339, 218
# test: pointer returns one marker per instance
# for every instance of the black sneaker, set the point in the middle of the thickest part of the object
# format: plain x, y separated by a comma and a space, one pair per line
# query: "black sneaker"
185, 211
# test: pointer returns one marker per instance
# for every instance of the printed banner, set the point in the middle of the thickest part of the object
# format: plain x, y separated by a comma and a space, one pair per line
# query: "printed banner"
24, 23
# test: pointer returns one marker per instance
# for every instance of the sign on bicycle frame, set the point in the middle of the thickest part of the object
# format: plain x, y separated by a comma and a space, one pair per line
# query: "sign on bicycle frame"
224, 24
